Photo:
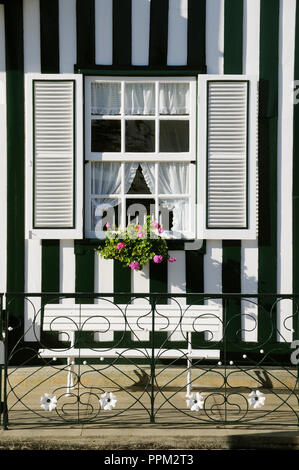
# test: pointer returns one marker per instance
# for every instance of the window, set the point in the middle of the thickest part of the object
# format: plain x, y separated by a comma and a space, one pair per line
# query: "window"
181, 149
140, 152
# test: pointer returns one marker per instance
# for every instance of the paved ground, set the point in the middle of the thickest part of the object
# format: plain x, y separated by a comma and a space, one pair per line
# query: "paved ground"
124, 427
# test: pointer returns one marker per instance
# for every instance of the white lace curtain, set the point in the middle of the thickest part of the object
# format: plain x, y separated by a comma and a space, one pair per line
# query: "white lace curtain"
106, 179
105, 98
139, 98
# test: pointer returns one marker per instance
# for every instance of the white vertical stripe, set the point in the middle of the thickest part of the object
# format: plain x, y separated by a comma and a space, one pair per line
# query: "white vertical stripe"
249, 249
177, 32
103, 32
67, 36
177, 274
140, 282
176, 278
33, 248
215, 65
67, 268
31, 36
285, 166
215, 36
67, 59
140, 31
3, 159
104, 276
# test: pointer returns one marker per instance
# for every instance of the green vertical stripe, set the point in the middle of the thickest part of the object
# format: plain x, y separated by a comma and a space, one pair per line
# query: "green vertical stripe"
267, 266
122, 282
233, 36
84, 270
231, 263
196, 58
194, 275
49, 36
15, 149
122, 32
50, 64
158, 33
231, 283
295, 178
158, 279
85, 33
197, 33
50, 267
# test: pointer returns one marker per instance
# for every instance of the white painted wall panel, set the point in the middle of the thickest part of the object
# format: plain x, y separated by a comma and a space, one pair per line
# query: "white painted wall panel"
249, 248
215, 36
67, 59
215, 65
177, 32
67, 36
33, 248
103, 32
140, 31
3, 155
287, 23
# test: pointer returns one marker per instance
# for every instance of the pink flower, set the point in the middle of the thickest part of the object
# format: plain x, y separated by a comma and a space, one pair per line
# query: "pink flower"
156, 225
171, 260
120, 246
160, 230
107, 225
139, 227
140, 234
158, 259
134, 265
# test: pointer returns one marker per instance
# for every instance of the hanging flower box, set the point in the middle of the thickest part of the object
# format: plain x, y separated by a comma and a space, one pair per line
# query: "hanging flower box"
136, 245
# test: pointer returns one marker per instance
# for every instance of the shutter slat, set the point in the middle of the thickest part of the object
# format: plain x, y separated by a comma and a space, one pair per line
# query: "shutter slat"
54, 154
227, 154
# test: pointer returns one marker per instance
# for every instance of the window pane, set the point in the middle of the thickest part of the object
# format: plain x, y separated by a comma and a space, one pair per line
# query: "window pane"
174, 136
176, 211
138, 209
173, 178
140, 136
105, 178
140, 98
174, 98
139, 185
105, 98
103, 211
105, 135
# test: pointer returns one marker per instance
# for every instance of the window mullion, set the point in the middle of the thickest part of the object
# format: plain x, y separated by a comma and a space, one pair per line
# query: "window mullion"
123, 198
122, 115
156, 191
157, 127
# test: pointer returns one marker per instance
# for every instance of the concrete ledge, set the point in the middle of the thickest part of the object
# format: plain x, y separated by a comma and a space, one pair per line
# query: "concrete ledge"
150, 438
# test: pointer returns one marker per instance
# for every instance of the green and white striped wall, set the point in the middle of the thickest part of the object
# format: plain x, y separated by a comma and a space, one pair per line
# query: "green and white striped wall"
259, 37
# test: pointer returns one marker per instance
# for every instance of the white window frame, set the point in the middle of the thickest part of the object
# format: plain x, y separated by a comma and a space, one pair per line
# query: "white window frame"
152, 157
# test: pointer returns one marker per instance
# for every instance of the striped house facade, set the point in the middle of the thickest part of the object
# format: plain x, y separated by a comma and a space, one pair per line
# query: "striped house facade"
259, 38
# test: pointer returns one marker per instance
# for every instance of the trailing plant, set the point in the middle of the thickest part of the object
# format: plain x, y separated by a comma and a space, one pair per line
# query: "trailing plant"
136, 245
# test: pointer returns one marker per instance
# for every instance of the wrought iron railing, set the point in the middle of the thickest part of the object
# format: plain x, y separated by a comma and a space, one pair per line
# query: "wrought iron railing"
82, 358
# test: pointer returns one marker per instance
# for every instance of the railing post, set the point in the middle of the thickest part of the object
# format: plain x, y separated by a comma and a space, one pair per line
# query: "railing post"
152, 414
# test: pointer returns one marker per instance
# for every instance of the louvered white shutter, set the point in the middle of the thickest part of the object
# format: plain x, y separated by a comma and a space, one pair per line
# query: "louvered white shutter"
54, 156
227, 148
